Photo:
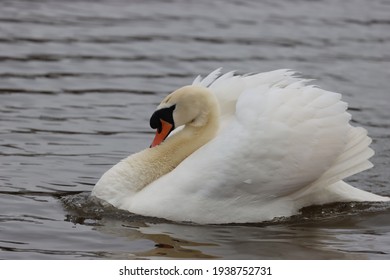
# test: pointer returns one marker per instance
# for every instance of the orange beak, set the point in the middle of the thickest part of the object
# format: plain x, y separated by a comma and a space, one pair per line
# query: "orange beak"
166, 128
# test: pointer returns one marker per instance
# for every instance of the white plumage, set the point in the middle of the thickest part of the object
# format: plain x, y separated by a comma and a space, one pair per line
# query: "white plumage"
281, 145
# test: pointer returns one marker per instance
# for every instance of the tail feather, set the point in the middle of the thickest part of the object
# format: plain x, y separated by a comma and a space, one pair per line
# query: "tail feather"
354, 159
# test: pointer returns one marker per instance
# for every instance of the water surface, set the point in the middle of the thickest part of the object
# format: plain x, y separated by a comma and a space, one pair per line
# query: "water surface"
80, 79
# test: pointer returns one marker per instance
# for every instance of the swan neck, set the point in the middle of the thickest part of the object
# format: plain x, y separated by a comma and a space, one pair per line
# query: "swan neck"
189, 139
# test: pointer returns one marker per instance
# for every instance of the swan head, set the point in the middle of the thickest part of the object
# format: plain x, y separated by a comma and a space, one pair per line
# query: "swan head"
189, 106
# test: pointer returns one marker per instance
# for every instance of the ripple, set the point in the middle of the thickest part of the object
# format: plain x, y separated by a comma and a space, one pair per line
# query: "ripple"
369, 22
78, 80
83, 204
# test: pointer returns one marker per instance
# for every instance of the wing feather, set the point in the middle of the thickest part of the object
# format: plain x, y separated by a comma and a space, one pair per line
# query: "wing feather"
280, 139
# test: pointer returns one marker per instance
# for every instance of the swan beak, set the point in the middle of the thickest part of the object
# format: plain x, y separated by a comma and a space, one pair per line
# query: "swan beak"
162, 133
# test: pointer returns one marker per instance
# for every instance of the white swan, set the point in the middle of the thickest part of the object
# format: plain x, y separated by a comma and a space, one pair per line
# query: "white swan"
245, 149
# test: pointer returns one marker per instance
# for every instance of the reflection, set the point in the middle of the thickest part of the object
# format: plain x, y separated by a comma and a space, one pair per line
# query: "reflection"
160, 244
85, 210
170, 247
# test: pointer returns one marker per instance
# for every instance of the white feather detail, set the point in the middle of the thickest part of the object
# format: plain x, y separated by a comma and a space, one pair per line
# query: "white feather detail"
282, 145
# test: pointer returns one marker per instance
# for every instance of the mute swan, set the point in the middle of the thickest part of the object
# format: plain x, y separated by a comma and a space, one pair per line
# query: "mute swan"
243, 149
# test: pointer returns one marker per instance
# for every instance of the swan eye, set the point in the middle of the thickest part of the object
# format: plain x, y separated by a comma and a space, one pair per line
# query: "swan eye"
165, 114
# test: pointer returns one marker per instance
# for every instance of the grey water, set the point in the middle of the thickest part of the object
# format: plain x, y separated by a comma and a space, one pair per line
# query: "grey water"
79, 80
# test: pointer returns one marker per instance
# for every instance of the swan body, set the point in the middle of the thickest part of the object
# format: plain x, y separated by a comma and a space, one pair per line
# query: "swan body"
243, 149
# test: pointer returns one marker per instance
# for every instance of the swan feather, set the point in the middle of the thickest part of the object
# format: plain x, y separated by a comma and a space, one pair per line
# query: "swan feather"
282, 144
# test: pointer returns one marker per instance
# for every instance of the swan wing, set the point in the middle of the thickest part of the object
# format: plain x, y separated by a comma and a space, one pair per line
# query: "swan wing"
279, 137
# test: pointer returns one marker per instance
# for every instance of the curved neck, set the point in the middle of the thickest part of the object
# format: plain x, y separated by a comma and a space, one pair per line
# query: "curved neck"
161, 159
185, 142
139, 170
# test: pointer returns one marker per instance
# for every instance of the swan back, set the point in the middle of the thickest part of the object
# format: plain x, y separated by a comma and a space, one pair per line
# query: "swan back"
283, 144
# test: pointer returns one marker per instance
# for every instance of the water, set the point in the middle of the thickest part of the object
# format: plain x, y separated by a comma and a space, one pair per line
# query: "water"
80, 79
